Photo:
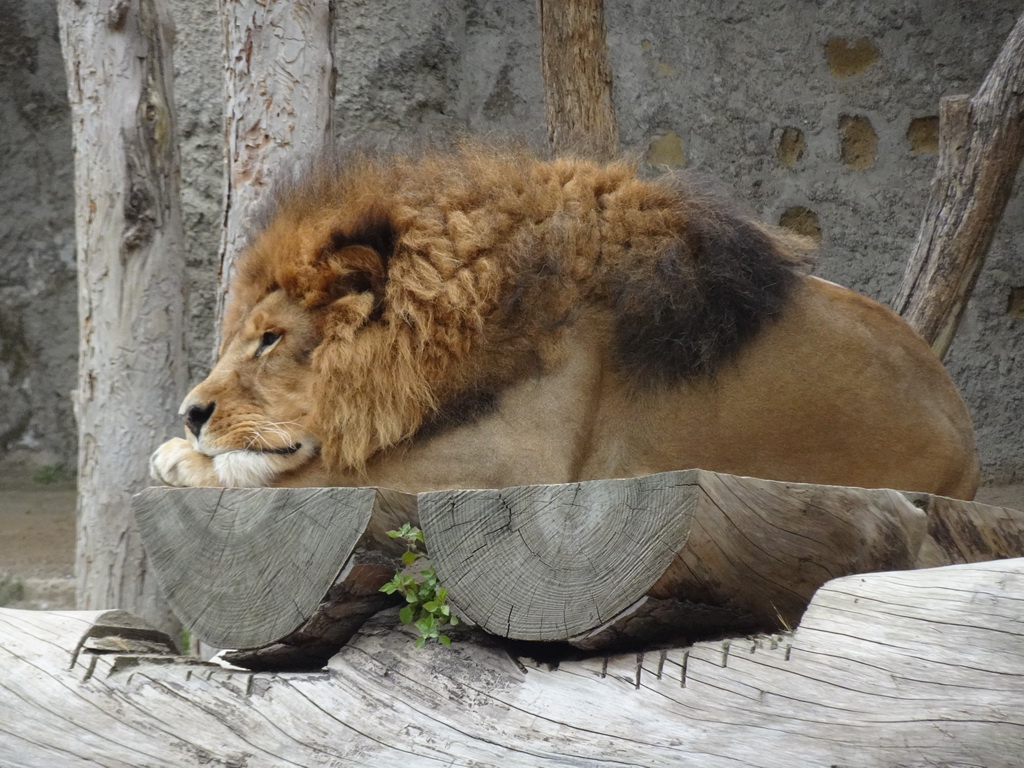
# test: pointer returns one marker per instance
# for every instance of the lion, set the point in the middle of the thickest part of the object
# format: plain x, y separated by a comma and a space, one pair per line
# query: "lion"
481, 317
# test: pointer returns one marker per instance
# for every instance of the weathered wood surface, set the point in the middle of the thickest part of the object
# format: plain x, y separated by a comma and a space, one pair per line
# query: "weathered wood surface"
917, 668
981, 142
279, 105
577, 77
290, 574
291, 571
132, 364
682, 554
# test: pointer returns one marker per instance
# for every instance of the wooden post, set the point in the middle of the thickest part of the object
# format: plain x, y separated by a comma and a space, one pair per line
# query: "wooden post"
279, 109
131, 289
981, 142
577, 77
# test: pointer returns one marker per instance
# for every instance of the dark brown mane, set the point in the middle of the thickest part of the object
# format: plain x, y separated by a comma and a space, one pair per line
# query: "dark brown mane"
705, 294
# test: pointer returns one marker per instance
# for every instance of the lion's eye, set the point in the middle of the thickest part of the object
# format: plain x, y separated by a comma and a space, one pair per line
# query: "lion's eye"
267, 340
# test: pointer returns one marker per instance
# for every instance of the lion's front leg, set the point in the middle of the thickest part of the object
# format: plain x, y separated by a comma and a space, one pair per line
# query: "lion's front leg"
177, 463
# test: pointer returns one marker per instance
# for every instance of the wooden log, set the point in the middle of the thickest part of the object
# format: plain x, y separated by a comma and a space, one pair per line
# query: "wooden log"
912, 668
289, 572
682, 555
981, 142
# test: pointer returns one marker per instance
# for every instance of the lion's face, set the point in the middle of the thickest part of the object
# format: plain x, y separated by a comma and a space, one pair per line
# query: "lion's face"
251, 415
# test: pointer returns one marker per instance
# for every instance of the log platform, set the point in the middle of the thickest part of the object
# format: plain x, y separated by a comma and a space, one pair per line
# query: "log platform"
286, 576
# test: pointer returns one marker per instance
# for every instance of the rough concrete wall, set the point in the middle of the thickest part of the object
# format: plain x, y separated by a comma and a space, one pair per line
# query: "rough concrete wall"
437, 68
824, 114
199, 97
818, 114
38, 297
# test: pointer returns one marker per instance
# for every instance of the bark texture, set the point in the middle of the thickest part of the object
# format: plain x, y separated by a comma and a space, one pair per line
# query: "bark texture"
981, 142
577, 77
132, 363
279, 89
915, 669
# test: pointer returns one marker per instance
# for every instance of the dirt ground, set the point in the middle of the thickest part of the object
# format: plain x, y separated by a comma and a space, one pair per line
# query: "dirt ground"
37, 546
37, 541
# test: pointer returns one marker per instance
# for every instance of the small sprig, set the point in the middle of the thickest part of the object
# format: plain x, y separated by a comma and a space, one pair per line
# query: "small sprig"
426, 606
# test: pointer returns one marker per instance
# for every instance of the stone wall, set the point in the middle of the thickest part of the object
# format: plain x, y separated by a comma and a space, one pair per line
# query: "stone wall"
820, 115
38, 341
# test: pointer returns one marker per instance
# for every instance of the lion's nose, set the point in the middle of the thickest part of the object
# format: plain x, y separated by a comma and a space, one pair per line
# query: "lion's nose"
197, 415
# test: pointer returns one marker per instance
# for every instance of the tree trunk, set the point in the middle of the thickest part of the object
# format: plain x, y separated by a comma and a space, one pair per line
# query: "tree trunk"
132, 362
279, 104
577, 77
920, 668
981, 142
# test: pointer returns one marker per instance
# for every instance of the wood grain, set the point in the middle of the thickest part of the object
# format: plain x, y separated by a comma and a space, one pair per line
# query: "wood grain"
244, 568
917, 668
547, 562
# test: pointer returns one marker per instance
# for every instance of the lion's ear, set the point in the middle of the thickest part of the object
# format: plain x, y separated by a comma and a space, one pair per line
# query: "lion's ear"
358, 255
359, 269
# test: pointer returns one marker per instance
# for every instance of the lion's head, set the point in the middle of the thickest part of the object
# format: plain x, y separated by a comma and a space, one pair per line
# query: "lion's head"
380, 291
252, 413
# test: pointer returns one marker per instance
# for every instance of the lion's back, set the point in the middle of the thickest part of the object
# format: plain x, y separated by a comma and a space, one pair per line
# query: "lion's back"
839, 391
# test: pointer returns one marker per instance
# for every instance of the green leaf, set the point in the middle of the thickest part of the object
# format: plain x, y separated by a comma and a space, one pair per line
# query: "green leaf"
410, 557
444, 639
453, 620
446, 611
431, 607
406, 614
389, 588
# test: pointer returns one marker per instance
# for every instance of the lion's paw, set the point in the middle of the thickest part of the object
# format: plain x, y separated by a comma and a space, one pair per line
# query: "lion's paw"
177, 463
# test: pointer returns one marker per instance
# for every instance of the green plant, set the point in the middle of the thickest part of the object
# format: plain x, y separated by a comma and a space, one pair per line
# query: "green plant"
426, 608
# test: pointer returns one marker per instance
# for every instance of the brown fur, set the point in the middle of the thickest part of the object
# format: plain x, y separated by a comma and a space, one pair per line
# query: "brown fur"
417, 295
487, 254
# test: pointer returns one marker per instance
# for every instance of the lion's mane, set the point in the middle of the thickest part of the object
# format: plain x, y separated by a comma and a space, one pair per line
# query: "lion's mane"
442, 277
